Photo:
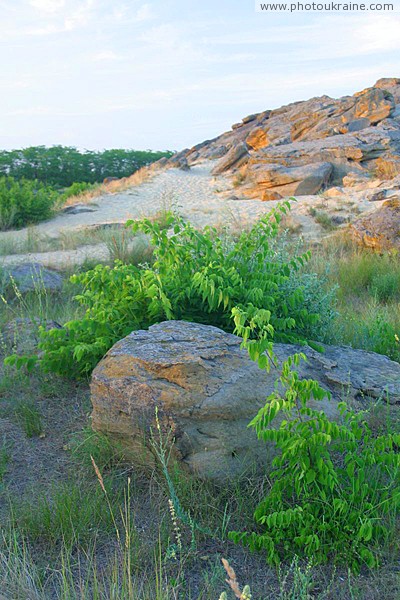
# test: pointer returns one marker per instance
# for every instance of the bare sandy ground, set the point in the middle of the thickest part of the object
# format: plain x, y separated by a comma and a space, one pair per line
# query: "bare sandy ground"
195, 194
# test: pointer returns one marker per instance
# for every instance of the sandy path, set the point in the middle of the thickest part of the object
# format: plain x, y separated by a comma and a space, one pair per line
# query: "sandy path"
195, 194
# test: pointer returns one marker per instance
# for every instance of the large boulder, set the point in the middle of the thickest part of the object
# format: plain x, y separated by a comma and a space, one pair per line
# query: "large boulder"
379, 229
300, 180
373, 104
206, 390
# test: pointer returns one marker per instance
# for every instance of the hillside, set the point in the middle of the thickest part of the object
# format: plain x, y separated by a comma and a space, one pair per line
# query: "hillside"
306, 147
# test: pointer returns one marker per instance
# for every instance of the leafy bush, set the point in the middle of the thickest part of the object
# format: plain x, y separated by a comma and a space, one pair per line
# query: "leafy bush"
196, 277
335, 486
75, 189
24, 202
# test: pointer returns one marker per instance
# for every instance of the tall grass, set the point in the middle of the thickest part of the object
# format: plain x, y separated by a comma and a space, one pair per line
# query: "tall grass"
368, 293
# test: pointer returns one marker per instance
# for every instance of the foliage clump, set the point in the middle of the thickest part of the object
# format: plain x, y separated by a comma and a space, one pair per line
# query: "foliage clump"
335, 486
24, 202
196, 276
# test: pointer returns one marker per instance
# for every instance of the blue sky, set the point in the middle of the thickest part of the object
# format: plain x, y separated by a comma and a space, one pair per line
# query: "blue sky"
170, 73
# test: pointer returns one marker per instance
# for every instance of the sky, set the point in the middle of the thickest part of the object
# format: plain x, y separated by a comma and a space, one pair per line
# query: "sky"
167, 74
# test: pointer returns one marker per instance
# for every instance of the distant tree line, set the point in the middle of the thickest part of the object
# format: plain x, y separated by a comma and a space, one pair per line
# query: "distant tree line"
61, 166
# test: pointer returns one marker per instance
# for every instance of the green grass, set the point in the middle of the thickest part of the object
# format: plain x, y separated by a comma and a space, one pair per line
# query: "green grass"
29, 418
323, 219
72, 514
4, 460
67, 240
368, 294
88, 444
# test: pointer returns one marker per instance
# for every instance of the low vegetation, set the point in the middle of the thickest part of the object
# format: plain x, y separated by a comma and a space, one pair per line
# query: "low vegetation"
323, 521
24, 202
35, 181
368, 296
195, 276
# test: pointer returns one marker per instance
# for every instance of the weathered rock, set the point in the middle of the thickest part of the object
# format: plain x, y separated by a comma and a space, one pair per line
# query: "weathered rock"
373, 104
355, 179
359, 133
183, 164
162, 162
33, 276
206, 390
391, 84
217, 153
358, 125
76, 209
301, 180
236, 157
269, 195
257, 139
379, 229
333, 192
376, 196
249, 119
387, 167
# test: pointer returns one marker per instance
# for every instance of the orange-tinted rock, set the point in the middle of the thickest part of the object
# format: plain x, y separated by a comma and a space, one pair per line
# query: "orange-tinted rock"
301, 180
380, 229
206, 390
236, 157
374, 105
269, 195
388, 167
257, 139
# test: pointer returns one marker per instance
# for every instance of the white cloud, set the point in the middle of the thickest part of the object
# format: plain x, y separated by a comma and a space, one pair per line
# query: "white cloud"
106, 55
144, 13
48, 6
80, 16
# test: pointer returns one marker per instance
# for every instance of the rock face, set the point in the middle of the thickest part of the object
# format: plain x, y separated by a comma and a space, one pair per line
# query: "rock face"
206, 390
350, 133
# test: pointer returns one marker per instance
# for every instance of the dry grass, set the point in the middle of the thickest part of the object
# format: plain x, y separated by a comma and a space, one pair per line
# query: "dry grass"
112, 187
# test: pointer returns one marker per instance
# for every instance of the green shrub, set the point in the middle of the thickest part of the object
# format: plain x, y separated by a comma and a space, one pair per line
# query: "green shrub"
334, 488
24, 202
76, 189
194, 277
